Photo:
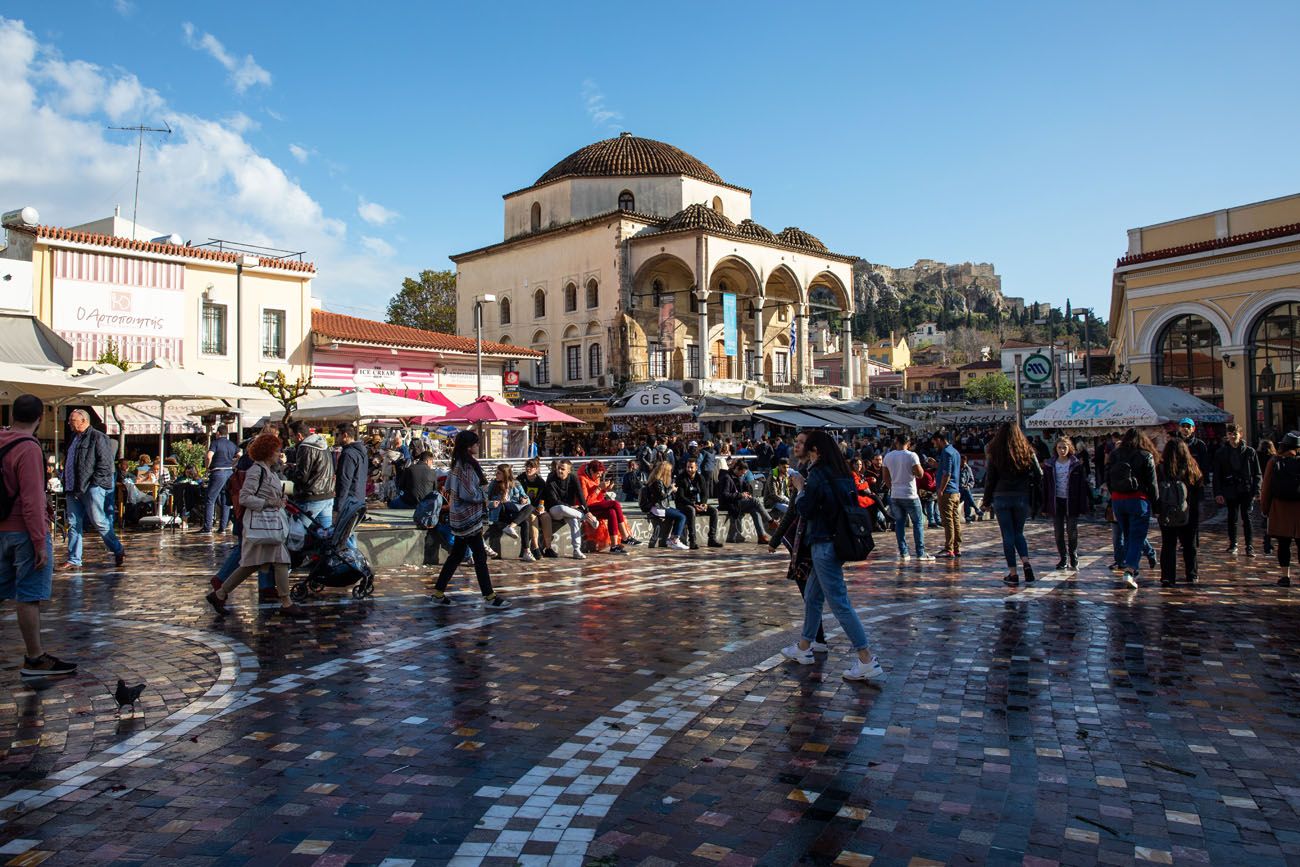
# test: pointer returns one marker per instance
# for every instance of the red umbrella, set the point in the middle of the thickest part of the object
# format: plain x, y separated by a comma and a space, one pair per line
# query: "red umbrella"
484, 409
543, 413
432, 395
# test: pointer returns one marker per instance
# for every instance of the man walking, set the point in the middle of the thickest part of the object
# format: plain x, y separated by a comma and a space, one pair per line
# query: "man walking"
222, 455
353, 470
1237, 480
948, 490
26, 549
87, 478
902, 469
312, 474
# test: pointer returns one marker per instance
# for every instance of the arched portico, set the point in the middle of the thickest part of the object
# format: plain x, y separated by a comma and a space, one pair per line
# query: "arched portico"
663, 310
737, 276
830, 302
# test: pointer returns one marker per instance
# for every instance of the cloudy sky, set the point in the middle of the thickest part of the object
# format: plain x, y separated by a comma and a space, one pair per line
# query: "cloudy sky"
380, 140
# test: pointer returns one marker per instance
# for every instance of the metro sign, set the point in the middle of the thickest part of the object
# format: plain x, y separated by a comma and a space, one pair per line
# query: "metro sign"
1037, 368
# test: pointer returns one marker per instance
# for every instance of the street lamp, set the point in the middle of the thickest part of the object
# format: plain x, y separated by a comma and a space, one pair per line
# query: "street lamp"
1086, 312
479, 301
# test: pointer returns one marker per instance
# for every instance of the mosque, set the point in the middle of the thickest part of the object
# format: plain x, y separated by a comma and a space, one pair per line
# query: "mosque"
631, 261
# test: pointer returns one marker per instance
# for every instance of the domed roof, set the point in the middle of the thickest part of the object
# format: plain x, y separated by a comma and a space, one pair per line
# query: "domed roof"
796, 237
699, 216
629, 155
750, 229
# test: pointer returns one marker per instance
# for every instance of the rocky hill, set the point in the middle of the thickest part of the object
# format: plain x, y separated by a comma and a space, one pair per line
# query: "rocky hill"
956, 289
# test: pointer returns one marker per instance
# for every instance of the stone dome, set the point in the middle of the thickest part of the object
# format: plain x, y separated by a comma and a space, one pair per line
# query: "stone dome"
630, 156
699, 216
796, 237
750, 229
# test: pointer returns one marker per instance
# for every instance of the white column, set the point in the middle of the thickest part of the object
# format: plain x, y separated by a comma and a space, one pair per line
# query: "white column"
757, 373
846, 348
803, 372
702, 296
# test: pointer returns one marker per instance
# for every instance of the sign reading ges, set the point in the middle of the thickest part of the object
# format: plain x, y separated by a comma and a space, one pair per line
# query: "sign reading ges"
1037, 368
657, 398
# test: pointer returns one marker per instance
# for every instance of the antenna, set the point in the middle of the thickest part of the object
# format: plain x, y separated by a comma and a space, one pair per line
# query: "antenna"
140, 130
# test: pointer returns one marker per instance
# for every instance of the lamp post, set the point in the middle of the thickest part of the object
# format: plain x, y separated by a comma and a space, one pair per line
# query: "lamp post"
1086, 312
479, 301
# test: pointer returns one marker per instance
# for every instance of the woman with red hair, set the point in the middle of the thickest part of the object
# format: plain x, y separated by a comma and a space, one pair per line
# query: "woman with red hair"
595, 493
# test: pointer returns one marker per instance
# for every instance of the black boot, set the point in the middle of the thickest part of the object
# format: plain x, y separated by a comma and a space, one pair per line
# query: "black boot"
714, 543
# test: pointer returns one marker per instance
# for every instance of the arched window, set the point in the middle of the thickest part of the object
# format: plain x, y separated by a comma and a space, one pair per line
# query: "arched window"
1188, 357
536, 221
717, 204
503, 311
626, 201
593, 293
570, 298
1275, 371
542, 366
539, 304
594, 366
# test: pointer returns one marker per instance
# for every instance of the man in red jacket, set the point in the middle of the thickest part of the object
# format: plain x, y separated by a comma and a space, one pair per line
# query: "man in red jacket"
26, 549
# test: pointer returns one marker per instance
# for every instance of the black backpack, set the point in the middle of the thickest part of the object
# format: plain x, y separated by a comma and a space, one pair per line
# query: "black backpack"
1120, 477
1175, 508
644, 499
8, 500
1286, 479
853, 531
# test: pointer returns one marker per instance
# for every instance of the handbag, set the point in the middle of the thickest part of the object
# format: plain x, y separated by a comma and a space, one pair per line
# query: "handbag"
265, 526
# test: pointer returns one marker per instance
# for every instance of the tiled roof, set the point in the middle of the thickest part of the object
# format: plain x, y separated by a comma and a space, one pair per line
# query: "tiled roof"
927, 371
796, 237
991, 364
699, 217
354, 329
1216, 244
628, 155
750, 229
58, 233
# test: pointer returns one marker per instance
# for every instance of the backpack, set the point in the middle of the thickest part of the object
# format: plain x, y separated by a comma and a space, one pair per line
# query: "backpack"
1120, 477
644, 500
1175, 510
234, 485
428, 511
1286, 479
853, 531
8, 500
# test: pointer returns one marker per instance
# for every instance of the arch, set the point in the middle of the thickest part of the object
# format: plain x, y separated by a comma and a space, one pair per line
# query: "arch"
593, 328
535, 216
1154, 326
593, 293
503, 311
829, 280
504, 338
626, 201
1249, 315
539, 336
717, 204
1188, 355
1274, 369
736, 264
595, 361
571, 333
570, 297
539, 304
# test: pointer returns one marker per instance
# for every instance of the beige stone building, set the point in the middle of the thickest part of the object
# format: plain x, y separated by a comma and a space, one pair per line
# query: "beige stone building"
618, 264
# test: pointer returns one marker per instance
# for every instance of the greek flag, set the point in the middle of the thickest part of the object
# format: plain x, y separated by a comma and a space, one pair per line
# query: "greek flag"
794, 335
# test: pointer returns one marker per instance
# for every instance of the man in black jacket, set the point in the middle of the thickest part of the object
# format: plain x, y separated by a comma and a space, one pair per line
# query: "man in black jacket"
691, 501
564, 496
1237, 480
312, 474
87, 479
353, 466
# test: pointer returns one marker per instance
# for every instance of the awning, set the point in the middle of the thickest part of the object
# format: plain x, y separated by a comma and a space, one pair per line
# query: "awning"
142, 418
900, 420
28, 341
793, 418
842, 419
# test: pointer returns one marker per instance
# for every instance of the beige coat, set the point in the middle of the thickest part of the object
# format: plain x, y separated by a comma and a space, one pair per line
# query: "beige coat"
1283, 515
262, 489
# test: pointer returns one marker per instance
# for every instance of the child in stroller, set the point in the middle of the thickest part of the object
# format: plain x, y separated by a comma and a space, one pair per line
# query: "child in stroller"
324, 554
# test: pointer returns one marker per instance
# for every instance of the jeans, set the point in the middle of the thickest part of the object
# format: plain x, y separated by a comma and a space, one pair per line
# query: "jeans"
1118, 543
88, 507
950, 512
931, 509
1134, 518
902, 510
712, 513
678, 519
1239, 510
473, 543
826, 585
322, 511
573, 518
217, 480
968, 502
516, 516
1012, 511
736, 519
1067, 529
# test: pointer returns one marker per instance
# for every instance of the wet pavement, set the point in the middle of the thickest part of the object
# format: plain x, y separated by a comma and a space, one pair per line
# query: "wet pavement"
635, 710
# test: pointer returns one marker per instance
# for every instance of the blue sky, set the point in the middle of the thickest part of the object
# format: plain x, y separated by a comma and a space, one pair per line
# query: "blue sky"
1027, 135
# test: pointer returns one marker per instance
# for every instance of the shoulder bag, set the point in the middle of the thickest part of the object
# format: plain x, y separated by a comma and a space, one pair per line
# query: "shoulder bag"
265, 526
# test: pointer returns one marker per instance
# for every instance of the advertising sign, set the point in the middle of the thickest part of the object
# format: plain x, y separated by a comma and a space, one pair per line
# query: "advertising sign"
730, 342
667, 325
119, 310
510, 378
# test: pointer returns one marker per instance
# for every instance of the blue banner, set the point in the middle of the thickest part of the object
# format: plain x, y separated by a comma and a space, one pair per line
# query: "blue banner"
730, 341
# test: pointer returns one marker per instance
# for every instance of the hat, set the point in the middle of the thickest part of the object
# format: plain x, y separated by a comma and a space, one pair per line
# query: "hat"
1291, 440
692, 444
1188, 422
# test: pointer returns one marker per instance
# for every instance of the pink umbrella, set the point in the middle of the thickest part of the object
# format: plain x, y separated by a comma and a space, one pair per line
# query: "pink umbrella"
484, 409
543, 413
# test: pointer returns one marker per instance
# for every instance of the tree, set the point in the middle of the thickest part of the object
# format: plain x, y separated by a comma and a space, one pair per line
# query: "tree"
991, 388
112, 355
285, 392
428, 302
968, 343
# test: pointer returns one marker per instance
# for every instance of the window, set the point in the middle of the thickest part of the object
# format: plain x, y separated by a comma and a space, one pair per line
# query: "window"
693, 362
593, 294
1188, 357
1274, 370
536, 221
626, 201
717, 204
503, 311
781, 368
595, 367
721, 361
213, 339
273, 322
542, 367
573, 363
570, 298
539, 304
658, 361
750, 370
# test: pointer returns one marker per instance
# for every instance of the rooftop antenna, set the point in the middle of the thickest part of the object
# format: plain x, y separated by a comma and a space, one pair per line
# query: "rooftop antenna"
140, 130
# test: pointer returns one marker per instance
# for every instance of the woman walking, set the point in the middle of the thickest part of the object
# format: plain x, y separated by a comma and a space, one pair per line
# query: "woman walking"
1131, 478
262, 491
660, 498
510, 508
1266, 451
466, 489
820, 500
1278, 498
1013, 471
792, 532
1177, 467
1065, 498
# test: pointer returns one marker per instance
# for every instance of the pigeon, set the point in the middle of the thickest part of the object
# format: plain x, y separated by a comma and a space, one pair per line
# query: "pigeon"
127, 695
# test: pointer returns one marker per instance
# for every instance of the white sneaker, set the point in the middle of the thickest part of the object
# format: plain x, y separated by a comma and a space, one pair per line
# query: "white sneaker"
903, 558
819, 647
864, 670
676, 544
1131, 580
510, 531
527, 556
578, 555
803, 657
927, 557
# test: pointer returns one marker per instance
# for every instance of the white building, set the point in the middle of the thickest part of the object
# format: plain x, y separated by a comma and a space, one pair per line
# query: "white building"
927, 334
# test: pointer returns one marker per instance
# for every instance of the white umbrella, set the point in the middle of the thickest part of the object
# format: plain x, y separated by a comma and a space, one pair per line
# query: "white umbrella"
1125, 405
363, 405
45, 384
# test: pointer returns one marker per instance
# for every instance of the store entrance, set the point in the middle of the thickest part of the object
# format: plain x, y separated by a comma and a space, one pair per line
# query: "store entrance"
1276, 416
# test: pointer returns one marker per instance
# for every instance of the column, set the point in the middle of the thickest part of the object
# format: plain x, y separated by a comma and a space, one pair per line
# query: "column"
702, 295
846, 348
757, 373
802, 374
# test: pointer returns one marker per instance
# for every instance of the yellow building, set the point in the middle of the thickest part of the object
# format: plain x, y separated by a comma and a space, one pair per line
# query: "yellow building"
1210, 304
892, 352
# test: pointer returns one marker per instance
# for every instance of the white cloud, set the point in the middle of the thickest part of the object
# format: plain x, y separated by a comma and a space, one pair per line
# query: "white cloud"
600, 114
243, 73
124, 7
300, 153
206, 180
378, 246
375, 214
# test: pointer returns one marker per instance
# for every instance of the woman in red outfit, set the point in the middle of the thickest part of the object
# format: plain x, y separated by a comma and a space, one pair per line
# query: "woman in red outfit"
595, 493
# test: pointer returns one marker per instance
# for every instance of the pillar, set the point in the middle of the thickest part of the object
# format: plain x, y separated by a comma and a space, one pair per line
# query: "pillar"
702, 295
846, 352
802, 374
757, 373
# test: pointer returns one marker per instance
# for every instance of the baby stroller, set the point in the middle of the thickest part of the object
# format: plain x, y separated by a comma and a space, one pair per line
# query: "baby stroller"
324, 554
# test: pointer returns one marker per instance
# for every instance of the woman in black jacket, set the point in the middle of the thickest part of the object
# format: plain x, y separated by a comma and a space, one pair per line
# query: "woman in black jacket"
1013, 474
1177, 465
1065, 498
1131, 478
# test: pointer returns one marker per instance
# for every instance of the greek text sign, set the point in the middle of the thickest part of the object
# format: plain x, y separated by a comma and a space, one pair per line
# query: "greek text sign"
118, 310
729, 337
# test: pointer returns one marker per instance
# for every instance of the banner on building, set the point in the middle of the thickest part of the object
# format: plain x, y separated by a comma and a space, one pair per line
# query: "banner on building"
730, 341
667, 325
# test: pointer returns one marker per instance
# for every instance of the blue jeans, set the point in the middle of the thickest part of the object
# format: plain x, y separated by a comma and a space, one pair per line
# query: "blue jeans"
1012, 511
1119, 544
826, 585
901, 510
1134, 519
217, 480
931, 509
20, 580
88, 507
968, 501
322, 511
679, 522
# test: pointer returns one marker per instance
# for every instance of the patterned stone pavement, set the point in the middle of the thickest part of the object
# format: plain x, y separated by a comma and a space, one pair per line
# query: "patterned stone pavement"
636, 711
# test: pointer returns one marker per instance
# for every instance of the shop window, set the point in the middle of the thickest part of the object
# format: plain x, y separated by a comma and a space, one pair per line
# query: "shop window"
1188, 357
1275, 371
213, 339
